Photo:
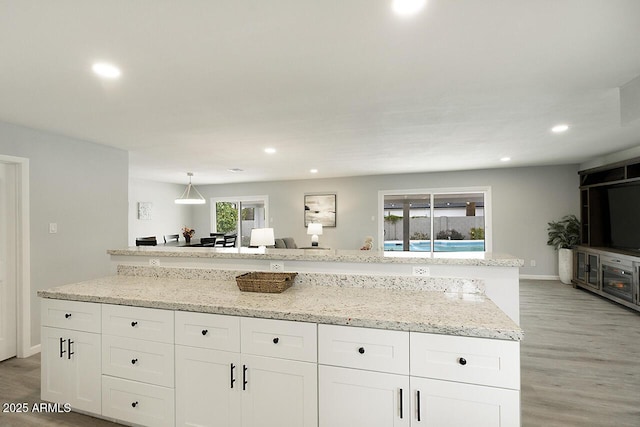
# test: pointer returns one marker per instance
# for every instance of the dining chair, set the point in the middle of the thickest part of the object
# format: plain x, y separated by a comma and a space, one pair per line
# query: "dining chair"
146, 241
208, 241
228, 241
171, 237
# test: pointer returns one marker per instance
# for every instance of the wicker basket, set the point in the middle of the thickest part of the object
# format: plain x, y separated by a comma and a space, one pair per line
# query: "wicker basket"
265, 281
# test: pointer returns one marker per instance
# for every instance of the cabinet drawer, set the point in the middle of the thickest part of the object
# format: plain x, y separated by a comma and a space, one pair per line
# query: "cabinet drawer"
146, 361
279, 338
480, 361
204, 330
137, 322
362, 348
75, 315
137, 403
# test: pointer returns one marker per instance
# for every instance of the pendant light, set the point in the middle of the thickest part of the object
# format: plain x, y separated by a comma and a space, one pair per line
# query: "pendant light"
191, 196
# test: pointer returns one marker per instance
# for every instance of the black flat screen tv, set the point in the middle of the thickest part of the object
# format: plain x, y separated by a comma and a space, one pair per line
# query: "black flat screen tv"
624, 216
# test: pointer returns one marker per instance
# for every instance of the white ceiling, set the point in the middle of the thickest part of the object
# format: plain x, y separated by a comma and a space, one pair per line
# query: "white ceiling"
344, 86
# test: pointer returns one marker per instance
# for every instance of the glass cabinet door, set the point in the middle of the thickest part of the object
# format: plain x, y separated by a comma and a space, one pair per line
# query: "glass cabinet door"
581, 266
592, 270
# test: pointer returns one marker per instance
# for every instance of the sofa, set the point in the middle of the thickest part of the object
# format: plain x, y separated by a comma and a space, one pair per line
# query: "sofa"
285, 243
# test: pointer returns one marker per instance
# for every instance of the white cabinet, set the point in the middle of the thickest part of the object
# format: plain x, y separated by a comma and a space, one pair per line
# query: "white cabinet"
208, 370
279, 393
258, 383
156, 367
466, 359
70, 371
441, 381
138, 365
136, 402
70, 359
354, 397
363, 348
208, 387
446, 403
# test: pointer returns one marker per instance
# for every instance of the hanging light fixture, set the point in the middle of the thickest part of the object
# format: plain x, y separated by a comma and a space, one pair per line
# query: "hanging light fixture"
191, 196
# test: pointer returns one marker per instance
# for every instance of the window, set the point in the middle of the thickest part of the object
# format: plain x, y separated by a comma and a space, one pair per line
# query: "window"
440, 220
239, 215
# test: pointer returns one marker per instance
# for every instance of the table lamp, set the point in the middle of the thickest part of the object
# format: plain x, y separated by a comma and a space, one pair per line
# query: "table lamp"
262, 237
315, 229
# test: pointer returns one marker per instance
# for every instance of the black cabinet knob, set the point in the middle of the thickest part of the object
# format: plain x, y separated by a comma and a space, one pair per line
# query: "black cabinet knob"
133, 324
361, 350
276, 340
462, 361
66, 316
205, 332
134, 361
134, 404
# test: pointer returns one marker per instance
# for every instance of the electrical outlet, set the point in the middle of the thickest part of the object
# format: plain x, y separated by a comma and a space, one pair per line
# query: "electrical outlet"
421, 271
53, 227
533, 263
277, 266
154, 262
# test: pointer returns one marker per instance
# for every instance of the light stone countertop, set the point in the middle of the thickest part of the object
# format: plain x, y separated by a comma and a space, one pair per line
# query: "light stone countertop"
456, 313
335, 255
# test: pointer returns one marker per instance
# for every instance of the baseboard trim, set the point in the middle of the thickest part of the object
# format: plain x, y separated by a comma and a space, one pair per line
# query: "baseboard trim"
538, 277
33, 350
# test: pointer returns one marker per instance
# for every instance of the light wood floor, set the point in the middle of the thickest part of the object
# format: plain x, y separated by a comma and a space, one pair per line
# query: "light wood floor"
580, 365
580, 358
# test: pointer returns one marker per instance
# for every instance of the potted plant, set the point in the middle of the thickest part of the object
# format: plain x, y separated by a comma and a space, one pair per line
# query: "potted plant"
564, 235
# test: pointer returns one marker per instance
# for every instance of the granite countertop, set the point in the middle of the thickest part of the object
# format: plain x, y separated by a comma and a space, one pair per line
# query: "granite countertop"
454, 313
332, 255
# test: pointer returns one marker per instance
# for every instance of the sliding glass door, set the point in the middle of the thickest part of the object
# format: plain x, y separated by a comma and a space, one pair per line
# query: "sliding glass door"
239, 215
443, 220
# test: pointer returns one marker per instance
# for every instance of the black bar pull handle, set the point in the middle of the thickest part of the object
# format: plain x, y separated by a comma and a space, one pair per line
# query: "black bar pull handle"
62, 350
233, 380
401, 405
418, 403
244, 377
70, 352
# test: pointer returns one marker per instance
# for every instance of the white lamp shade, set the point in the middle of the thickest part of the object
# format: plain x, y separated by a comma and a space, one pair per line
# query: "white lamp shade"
262, 237
315, 228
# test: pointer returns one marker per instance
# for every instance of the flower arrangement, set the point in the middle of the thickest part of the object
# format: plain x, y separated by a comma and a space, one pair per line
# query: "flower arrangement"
188, 232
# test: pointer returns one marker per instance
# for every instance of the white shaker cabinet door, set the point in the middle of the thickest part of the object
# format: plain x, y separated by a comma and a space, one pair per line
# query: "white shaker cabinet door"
71, 368
438, 403
352, 397
208, 387
278, 392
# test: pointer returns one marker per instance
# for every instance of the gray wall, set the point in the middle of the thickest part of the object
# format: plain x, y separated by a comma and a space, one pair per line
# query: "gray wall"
166, 216
83, 188
524, 200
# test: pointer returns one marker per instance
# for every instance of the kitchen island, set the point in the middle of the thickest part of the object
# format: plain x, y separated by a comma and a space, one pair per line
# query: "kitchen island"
499, 272
165, 346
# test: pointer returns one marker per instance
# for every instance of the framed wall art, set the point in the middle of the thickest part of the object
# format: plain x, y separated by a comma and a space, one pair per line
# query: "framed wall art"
144, 210
320, 208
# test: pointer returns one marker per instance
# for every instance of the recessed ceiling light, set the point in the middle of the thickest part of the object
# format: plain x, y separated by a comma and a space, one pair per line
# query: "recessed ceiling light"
313, 170
560, 128
270, 150
407, 7
108, 71
505, 159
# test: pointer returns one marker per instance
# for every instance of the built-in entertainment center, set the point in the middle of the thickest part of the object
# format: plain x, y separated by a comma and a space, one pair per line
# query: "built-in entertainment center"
608, 260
